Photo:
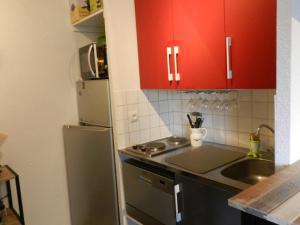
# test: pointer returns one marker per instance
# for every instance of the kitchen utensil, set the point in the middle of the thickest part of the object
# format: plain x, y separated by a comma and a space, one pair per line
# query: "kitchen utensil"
199, 122
196, 114
190, 120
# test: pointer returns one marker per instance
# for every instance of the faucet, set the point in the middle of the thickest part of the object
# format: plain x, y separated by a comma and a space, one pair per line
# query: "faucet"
269, 150
265, 126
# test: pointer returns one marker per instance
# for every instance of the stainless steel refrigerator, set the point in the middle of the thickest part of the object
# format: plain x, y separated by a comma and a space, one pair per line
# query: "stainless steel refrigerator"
89, 154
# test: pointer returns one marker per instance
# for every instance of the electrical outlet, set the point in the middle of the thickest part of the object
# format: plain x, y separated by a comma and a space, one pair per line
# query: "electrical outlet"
133, 116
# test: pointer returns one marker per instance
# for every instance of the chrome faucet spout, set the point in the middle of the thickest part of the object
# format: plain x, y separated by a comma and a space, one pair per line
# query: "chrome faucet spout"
263, 126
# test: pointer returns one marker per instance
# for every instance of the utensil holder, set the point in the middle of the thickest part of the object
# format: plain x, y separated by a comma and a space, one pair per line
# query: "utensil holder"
197, 136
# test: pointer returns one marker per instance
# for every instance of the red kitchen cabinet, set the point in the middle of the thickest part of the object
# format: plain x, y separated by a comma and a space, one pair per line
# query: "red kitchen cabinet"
199, 34
155, 35
251, 25
200, 44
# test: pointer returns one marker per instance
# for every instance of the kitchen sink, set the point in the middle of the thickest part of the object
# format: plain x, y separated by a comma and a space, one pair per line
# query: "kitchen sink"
250, 171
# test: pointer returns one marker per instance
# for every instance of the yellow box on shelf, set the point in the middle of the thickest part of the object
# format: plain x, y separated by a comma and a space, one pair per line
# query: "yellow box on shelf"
96, 5
78, 9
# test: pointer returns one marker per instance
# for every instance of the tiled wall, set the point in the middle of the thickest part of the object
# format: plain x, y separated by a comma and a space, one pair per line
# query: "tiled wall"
163, 113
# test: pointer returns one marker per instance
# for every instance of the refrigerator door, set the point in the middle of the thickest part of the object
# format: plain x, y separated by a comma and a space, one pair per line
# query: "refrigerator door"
94, 102
91, 175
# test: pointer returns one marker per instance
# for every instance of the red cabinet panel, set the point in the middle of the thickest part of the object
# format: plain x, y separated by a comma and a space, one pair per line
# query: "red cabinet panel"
199, 34
155, 33
199, 29
252, 26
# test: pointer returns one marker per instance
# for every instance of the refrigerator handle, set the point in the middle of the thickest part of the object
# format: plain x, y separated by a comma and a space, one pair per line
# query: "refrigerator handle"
89, 59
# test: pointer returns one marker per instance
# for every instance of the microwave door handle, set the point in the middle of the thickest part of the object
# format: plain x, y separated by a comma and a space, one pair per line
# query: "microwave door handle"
89, 60
96, 60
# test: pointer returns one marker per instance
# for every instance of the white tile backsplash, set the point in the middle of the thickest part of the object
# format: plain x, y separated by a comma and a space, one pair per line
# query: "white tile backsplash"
245, 109
231, 123
244, 124
145, 136
144, 122
163, 113
245, 95
260, 110
162, 95
155, 133
218, 122
163, 106
132, 97
154, 120
231, 138
260, 95
134, 138
144, 109
121, 112
134, 126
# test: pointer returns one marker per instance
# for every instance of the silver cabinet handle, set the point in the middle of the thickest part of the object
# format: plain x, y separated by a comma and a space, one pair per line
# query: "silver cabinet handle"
228, 57
177, 190
169, 53
89, 60
176, 52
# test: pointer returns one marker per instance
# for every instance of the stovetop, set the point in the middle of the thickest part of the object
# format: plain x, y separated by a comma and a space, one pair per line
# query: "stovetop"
161, 146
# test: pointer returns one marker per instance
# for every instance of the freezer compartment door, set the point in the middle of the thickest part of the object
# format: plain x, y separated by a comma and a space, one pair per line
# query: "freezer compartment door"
94, 102
91, 175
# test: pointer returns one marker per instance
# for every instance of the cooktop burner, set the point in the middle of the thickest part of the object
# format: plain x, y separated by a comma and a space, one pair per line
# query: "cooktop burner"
177, 140
158, 147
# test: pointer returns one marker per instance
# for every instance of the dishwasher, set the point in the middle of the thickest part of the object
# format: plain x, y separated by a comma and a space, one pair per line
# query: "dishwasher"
150, 194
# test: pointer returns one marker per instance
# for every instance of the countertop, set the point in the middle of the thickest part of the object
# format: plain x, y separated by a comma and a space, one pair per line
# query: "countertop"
214, 176
276, 199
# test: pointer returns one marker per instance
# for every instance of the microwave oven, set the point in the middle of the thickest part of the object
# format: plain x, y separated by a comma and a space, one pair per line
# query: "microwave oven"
93, 62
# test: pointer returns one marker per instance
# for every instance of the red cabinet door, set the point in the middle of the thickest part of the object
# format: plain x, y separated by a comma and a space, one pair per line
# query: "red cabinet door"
252, 26
155, 35
199, 34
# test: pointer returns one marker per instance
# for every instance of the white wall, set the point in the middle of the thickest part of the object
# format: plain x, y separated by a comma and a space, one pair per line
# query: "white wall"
288, 82
122, 44
123, 65
295, 82
37, 96
282, 111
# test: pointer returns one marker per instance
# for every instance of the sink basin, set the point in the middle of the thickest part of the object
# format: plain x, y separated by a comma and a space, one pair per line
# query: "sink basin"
250, 171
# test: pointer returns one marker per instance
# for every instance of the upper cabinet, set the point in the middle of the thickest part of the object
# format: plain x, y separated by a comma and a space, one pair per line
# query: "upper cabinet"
251, 25
155, 36
199, 36
200, 44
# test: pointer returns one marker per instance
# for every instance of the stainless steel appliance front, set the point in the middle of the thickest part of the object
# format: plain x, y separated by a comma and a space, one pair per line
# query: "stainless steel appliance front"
149, 194
94, 102
93, 62
91, 175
